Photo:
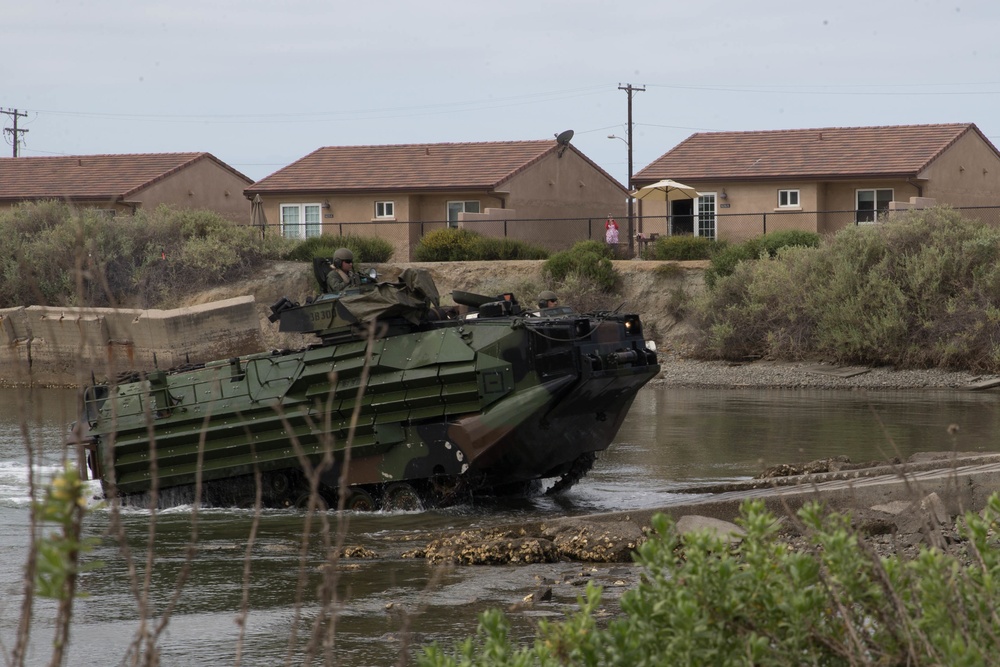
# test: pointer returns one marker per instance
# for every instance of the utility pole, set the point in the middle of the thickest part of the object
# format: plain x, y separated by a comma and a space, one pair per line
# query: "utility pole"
15, 133
630, 90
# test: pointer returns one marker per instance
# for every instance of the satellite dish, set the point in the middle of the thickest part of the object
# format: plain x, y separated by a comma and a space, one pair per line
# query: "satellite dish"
563, 137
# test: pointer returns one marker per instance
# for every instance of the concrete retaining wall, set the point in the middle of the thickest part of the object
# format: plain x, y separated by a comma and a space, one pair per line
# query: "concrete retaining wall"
46, 346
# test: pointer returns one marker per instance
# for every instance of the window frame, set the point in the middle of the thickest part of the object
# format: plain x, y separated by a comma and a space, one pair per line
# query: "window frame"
302, 228
865, 216
388, 209
788, 192
453, 221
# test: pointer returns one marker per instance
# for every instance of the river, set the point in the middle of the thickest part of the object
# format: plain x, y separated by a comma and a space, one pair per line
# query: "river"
672, 438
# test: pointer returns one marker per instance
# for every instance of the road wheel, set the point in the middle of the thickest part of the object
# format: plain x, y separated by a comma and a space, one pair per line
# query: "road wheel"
302, 502
401, 497
359, 500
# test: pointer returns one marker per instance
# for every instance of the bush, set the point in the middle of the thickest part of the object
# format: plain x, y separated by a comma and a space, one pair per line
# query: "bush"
724, 261
706, 601
447, 245
586, 260
746, 317
684, 248
917, 291
465, 245
87, 258
772, 242
489, 248
368, 249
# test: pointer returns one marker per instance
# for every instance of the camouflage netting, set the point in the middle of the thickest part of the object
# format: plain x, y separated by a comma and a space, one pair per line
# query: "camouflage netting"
409, 298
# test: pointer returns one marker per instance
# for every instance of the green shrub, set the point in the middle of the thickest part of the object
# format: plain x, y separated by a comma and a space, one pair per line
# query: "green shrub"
465, 245
706, 601
595, 247
774, 241
724, 261
367, 249
588, 260
761, 308
917, 291
683, 248
85, 257
447, 245
490, 248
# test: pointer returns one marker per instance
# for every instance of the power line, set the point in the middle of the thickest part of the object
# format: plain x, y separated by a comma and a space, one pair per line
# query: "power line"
375, 113
14, 133
847, 90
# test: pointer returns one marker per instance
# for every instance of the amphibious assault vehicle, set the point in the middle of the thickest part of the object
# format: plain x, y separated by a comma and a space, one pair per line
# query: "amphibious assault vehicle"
399, 404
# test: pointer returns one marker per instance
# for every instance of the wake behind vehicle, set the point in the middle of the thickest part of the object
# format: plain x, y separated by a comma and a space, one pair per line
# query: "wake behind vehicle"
401, 403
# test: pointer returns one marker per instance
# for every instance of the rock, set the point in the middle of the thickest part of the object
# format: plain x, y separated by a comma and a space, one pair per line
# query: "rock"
543, 594
924, 520
690, 523
477, 547
598, 542
357, 552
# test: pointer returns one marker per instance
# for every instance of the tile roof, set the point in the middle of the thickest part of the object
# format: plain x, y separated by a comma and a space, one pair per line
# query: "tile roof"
829, 152
445, 166
91, 176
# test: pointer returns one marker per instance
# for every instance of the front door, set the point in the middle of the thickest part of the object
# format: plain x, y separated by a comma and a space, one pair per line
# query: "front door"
681, 221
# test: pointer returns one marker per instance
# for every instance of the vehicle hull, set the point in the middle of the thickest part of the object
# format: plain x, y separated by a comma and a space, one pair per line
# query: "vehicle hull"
447, 406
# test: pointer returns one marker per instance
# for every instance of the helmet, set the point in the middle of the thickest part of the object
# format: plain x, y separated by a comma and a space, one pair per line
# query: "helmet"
342, 255
545, 296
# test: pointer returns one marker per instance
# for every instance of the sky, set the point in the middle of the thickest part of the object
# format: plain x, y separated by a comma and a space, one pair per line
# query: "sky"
260, 84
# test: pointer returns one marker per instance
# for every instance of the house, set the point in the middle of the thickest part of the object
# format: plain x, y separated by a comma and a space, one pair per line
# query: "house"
544, 192
127, 183
819, 180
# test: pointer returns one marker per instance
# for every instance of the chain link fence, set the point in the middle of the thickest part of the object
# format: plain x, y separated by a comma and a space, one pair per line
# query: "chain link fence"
633, 240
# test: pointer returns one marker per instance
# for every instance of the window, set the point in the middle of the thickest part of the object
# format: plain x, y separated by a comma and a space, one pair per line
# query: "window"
456, 207
872, 203
705, 222
300, 221
788, 198
385, 209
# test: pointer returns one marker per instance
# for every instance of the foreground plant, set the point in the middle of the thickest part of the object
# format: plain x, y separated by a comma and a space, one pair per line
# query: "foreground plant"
759, 602
58, 554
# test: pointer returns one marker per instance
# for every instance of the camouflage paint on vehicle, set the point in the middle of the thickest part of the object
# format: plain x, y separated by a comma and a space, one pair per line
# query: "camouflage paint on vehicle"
443, 402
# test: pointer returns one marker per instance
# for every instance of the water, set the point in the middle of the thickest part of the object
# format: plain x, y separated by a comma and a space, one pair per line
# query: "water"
673, 438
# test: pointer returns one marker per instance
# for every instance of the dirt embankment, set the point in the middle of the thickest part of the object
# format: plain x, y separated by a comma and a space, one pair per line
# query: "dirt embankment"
646, 289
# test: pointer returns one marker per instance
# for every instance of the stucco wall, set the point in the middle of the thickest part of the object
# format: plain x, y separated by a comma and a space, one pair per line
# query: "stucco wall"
203, 185
966, 174
64, 346
824, 206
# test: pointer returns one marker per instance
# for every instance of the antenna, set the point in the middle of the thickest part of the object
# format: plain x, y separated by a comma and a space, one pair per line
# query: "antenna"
563, 139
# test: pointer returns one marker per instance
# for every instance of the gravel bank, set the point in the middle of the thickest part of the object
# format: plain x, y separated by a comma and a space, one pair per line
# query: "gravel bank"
678, 371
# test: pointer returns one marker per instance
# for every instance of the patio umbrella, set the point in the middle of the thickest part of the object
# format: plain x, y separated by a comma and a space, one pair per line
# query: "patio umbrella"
666, 190
257, 217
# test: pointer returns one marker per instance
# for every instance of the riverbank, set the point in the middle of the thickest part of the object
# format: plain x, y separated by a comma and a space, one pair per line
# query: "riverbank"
646, 289
681, 371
